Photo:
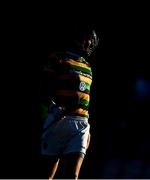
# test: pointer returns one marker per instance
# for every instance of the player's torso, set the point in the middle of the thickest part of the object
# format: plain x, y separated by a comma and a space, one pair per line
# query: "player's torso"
72, 87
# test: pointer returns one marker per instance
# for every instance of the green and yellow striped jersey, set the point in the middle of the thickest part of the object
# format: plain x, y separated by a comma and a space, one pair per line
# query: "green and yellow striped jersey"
72, 83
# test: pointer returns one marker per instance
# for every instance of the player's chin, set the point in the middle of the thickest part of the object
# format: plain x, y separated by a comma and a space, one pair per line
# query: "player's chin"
89, 53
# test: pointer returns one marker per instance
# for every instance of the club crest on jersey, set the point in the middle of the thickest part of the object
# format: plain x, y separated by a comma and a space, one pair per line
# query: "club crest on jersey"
82, 86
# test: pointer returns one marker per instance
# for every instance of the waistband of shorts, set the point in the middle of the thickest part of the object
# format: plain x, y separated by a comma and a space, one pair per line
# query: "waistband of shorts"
76, 118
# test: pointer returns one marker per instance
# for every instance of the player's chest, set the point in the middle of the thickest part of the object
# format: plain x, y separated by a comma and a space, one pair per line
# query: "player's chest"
75, 68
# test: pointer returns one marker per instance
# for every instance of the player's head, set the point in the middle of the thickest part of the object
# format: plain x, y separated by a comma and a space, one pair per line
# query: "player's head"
87, 41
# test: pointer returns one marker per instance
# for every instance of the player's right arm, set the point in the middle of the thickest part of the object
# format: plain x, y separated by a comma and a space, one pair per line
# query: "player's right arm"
49, 73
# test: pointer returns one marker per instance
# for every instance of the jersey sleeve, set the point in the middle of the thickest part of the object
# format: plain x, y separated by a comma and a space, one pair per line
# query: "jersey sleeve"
48, 76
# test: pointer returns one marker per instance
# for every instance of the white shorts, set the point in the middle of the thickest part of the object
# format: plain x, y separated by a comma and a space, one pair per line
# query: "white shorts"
69, 134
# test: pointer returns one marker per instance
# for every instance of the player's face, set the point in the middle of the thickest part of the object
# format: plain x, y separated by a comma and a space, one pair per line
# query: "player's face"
90, 43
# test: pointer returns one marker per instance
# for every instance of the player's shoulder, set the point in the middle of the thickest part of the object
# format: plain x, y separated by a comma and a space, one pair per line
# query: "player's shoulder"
77, 58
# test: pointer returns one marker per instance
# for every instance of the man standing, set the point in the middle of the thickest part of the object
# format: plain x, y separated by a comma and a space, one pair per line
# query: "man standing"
66, 130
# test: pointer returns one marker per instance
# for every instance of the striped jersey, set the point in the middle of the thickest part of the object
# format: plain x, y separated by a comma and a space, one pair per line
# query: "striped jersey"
72, 83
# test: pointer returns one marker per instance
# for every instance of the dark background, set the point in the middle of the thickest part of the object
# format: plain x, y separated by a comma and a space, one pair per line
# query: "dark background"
120, 94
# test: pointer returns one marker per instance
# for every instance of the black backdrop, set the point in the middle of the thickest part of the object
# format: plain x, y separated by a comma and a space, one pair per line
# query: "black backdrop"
119, 121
